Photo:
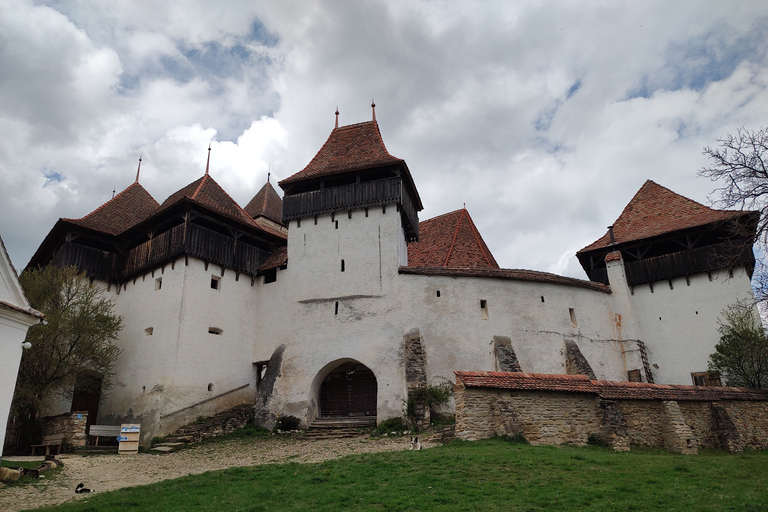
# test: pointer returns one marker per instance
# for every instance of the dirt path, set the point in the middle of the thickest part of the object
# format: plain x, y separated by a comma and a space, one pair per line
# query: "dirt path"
109, 472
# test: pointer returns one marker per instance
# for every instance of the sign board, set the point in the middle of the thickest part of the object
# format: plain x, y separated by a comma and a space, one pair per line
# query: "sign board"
129, 439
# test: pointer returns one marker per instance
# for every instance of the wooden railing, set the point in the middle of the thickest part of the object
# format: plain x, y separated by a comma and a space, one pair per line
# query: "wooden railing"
200, 242
686, 263
349, 197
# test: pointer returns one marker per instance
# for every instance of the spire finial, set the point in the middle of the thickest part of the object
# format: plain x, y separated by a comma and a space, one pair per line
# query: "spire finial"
373, 108
337, 116
113, 193
269, 172
465, 206
208, 163
138, 170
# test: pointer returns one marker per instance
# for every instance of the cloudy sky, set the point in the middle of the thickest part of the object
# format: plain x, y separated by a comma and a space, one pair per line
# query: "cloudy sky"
543, 117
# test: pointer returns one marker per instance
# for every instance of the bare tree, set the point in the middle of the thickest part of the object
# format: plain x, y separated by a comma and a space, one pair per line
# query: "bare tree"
740, 165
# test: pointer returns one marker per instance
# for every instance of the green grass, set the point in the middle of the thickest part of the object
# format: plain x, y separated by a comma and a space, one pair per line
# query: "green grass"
484, 476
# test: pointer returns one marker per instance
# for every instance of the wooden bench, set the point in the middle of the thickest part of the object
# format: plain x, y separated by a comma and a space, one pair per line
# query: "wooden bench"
48, 441
103, 430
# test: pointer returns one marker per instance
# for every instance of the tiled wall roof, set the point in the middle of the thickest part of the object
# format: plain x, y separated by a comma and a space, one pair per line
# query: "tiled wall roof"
504, 273
605, 389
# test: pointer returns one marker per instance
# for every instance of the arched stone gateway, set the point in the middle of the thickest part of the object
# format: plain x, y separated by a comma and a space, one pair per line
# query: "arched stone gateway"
348, 390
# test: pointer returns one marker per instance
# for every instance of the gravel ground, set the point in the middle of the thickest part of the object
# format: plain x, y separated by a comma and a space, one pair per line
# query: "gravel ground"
109, 472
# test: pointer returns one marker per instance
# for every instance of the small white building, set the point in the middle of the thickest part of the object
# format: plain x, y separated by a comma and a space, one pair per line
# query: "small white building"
16, 317
336, 300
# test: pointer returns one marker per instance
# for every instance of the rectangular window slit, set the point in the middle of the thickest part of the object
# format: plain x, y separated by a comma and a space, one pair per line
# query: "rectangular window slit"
158, 283
438, 293
336, 310
572, 314
342, 265
484, 309
215, 282
215, 330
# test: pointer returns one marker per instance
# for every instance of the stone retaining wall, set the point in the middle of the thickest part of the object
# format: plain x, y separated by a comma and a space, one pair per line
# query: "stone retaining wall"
557, 417
71, 425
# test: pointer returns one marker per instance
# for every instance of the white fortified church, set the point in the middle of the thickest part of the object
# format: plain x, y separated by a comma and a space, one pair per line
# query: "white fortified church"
336, 300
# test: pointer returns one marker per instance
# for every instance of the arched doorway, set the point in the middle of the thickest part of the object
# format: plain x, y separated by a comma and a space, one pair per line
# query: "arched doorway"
349, 390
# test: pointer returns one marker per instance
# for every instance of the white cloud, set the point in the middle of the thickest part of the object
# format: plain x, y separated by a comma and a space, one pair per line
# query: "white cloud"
545, 118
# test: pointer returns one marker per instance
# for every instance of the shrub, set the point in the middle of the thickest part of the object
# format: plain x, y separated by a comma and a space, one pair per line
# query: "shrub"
596, 440
515, 439
396, 424
286, 423
429, 396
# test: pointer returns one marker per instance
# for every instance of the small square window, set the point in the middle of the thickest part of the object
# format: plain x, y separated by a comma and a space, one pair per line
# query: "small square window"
158, 283
634, 376
215, 283
149, 331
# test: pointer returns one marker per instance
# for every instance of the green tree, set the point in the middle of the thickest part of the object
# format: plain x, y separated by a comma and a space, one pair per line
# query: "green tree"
76, 339
741, 356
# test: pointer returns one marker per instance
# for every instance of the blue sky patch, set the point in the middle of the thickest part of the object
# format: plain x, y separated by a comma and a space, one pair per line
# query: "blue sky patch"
52, 177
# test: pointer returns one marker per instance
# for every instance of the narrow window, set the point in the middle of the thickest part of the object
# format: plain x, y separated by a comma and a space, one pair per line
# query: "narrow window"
572, 314
670, 285
149, 331
484, 309
215, 330
634, 376
215, 283
342, 265
337, 224
158, 283
687, 281
336, 311
438, 293
542, 298
210, 386
298, 223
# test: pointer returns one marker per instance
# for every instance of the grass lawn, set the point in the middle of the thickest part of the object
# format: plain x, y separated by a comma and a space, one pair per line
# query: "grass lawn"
485, 475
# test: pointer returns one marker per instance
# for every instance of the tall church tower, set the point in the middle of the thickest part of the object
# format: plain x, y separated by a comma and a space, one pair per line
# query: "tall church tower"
351, 212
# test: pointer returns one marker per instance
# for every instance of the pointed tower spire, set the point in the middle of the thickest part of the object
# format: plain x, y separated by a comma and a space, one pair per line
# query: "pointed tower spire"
269, 172
373, 108
337, 117
138, 170
208, 163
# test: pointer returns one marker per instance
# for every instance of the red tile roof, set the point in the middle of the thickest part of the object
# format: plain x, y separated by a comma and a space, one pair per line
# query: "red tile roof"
276, 259
206, 192
504, 273
349, 148
450, 240
605, 389
266, 203
656, 210
126, 209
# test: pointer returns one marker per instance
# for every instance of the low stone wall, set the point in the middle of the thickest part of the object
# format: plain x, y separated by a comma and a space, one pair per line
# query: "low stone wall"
71, 425
557, 409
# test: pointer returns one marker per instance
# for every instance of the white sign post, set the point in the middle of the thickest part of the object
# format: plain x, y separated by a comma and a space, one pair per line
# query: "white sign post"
129, 439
